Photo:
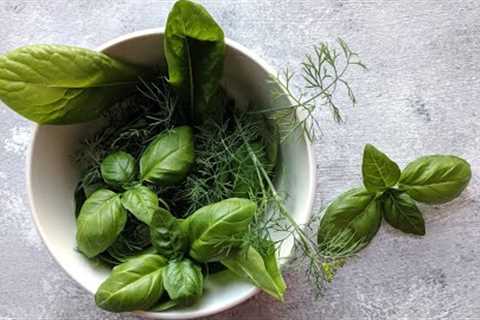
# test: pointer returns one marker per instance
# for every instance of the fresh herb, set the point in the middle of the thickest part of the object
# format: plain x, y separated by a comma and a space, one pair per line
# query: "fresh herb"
183, 281
55, 84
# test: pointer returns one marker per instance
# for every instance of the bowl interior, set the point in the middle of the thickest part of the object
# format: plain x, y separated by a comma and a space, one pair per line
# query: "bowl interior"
52, 175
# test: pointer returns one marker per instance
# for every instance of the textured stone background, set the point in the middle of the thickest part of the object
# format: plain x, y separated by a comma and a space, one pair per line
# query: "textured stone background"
421, 95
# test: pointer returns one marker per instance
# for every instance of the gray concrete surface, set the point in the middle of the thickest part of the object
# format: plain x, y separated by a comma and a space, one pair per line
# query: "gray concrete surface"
420, 96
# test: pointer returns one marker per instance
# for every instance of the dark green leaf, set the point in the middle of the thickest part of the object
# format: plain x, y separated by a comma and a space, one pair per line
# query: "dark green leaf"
436, 178
194, 50
141, 202
118, 168
133, 285
53, 84
168, 158
263, 272
402, 213
349, 222
168, 237
379, 172
217, 228
100, 221
183, 280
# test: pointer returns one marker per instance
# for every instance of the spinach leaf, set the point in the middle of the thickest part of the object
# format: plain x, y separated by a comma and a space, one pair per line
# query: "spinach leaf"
217, 228
379, 172
263, 272
133, 285
118, 168
183, 281
349, 222
194, 50
435, 178
168, 237
141, 202
402, 213
100, 221
54, 84
168, 158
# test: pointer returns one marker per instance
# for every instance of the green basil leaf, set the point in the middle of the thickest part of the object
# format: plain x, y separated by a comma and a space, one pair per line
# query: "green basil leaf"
168, 158
217, 228
100, 221
168, 237
435, 178
402, 213
133, 285
141, 202
379, 172
194, 50
54, 84
350, 222
183, 280
164, 305
118, 168
263, 272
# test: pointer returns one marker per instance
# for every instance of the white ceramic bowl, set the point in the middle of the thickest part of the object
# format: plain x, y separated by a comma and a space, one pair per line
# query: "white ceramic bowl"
52, 176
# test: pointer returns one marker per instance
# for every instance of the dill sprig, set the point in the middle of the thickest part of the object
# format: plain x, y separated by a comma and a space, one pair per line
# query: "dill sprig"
323, 73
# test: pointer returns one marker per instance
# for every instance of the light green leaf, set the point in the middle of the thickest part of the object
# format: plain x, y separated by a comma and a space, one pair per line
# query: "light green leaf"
402, 213
118, 168
168, 237
100, 221
141, 202
56, 84
435, 178
263, 272
168, 158
133, 285
350, 222
183, 281
379, 172
194, 50
216, 229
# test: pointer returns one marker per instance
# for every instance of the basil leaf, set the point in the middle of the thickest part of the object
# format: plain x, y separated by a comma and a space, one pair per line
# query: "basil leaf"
168, 158
402, 213
141, 202
263, 272
379, 172
168, 238
53, 84
165, 305
183, 280
194, 50
133, 285
350, 222
435, 178
217, 228
118, 168
100, 221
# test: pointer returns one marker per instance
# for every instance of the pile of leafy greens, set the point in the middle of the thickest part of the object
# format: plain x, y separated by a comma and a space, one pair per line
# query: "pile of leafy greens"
179, 182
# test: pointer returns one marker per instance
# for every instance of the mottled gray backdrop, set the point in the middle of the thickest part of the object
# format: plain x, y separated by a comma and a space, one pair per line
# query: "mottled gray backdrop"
421, 95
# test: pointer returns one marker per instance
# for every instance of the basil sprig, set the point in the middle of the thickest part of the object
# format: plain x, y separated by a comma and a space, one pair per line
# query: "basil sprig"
351, 221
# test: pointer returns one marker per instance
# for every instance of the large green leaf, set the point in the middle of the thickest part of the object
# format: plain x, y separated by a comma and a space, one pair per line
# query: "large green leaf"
168, 158
379, 172
435, 178
118, 168
100, 221
216, 229
263, 272
133, 285
183, 280
349, 222
141, 202
168, 237
402, 213
194, 50
56, 84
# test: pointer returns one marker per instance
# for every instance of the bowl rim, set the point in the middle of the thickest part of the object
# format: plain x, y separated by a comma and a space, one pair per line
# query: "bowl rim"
166, 315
